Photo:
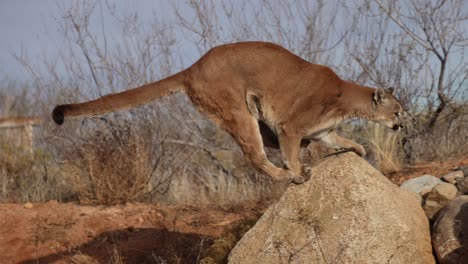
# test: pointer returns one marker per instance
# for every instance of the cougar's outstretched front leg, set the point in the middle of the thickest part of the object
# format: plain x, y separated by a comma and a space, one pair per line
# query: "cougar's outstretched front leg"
290, 144
332, 140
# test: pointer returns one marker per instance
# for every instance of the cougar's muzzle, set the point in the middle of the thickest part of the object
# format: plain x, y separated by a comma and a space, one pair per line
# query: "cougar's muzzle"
397, 127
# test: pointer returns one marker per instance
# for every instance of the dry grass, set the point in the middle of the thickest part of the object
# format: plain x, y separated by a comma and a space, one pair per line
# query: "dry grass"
447, 139
109, 168
26, 176
384, 147
225, 189
116, 257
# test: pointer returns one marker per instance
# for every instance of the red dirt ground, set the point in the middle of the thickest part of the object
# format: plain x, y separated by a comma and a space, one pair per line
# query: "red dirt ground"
141, 233
435, 168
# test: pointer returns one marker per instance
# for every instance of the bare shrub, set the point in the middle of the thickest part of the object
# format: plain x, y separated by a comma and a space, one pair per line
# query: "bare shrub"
447, 139
109, 167
28, 177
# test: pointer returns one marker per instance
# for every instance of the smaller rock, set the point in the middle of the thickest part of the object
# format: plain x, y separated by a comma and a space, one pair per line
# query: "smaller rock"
28, 205
443, 192
53, 202
462, 185
421, 185
453, 176
438, 198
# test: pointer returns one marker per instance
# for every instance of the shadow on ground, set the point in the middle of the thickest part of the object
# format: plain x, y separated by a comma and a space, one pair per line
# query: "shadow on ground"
135, 246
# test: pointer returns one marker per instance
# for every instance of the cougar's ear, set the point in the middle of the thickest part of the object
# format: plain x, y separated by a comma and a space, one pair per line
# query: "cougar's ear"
379, 95
390, 90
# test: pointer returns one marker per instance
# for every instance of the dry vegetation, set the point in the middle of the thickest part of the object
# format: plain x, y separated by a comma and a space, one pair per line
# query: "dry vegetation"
167, 151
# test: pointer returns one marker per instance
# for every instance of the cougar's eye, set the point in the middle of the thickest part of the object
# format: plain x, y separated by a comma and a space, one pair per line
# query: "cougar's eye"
397, 114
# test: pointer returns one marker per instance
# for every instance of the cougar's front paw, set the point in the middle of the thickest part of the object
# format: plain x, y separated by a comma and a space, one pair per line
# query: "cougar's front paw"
298, 180
294, 178
359, 150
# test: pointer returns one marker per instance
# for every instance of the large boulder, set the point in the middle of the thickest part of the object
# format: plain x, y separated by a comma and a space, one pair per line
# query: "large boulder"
450, 232
347, 213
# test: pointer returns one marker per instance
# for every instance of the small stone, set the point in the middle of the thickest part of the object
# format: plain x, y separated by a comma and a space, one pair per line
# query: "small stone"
453, 176
443, 192
53, 202
28, 205
438, 198
421, 185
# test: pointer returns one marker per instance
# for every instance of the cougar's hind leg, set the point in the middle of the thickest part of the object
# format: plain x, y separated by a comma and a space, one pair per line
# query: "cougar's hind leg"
229, 109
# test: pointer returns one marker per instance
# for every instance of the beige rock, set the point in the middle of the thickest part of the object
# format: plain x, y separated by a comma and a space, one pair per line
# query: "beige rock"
421, 185
450, 232
438, 198
442, 192
453, 176
347, 213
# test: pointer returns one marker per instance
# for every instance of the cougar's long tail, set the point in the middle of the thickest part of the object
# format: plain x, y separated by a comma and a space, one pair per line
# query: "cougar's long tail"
118, 101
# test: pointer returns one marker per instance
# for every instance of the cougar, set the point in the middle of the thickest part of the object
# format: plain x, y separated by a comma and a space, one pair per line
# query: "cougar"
263, 95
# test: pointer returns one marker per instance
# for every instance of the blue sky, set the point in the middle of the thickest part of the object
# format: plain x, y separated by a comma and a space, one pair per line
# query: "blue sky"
31, 26
27, 25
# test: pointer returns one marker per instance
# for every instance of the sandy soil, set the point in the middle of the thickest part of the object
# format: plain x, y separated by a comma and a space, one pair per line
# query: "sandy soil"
139, 233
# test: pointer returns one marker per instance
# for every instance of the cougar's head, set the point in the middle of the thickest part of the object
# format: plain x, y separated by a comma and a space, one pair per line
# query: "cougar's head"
387, 109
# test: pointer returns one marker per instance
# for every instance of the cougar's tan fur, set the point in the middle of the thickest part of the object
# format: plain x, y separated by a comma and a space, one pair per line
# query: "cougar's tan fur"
262, 94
